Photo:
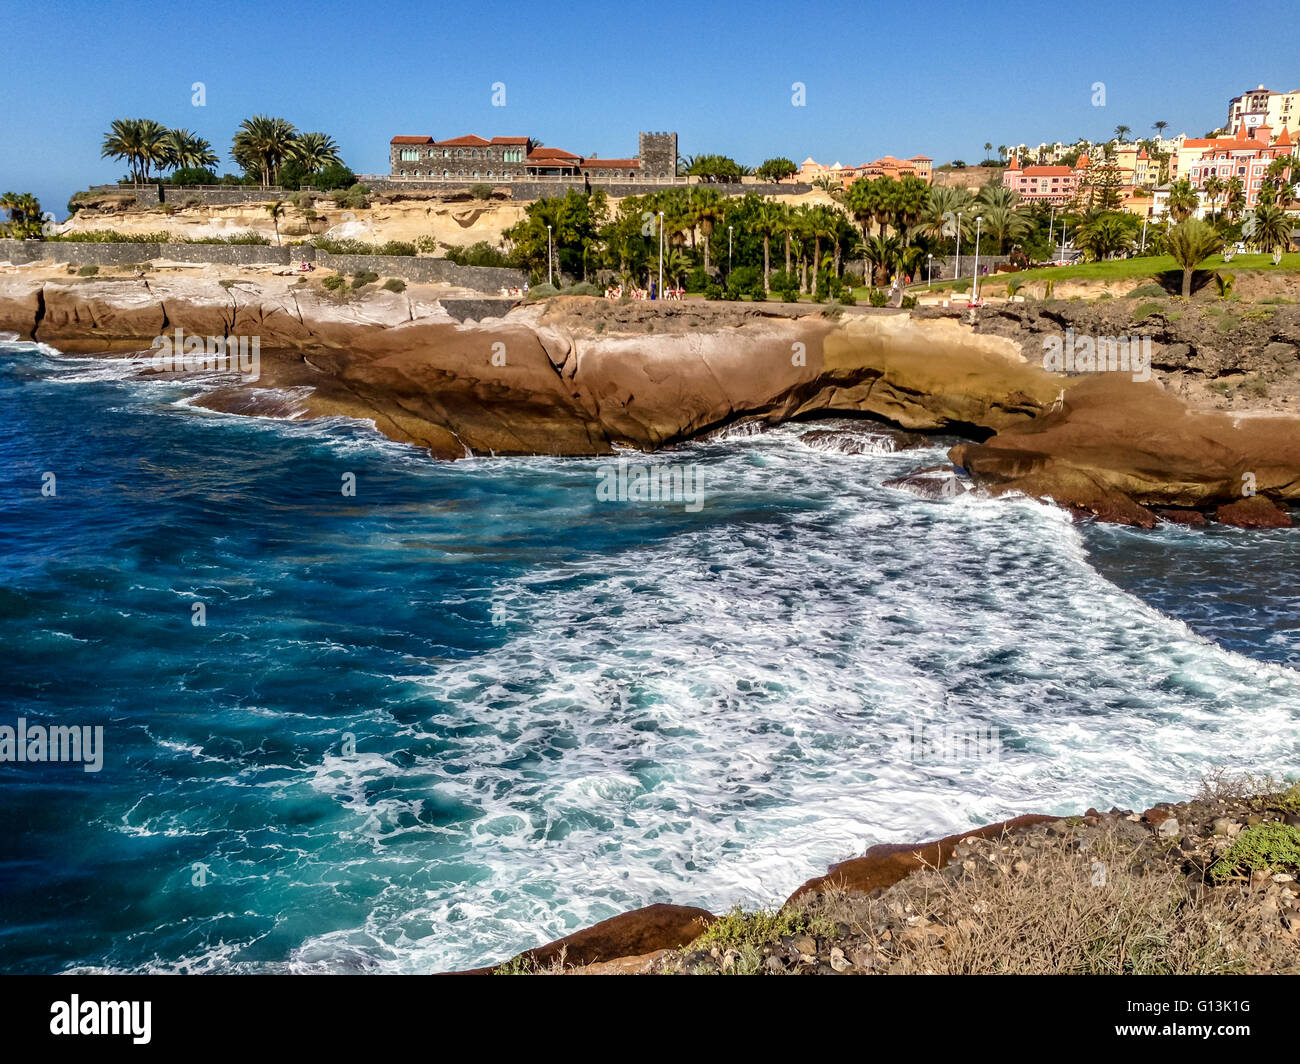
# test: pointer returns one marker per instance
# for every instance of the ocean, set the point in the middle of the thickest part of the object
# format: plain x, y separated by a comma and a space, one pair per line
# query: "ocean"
365, 711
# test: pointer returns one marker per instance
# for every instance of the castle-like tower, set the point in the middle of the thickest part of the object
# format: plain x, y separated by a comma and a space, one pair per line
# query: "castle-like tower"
658, 154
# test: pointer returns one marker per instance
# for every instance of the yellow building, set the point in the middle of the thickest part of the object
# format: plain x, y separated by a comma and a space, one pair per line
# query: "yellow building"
1264, 107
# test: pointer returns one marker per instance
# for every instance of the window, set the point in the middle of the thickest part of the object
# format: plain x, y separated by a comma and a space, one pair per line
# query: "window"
410, 155
489, 174
459, 153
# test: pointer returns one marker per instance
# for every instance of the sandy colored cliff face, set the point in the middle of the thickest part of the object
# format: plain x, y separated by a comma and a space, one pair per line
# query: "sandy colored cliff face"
582, 376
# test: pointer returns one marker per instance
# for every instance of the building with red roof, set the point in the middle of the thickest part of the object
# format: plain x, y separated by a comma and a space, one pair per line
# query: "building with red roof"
475, 158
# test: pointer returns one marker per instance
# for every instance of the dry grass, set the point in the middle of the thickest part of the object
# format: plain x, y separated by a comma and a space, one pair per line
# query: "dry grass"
1102, 910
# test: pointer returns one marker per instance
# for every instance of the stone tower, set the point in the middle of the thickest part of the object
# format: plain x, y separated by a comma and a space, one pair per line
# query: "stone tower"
658, 154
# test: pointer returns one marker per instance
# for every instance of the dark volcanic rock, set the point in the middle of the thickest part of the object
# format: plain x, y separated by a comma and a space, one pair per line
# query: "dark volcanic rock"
1254, 512
932, 482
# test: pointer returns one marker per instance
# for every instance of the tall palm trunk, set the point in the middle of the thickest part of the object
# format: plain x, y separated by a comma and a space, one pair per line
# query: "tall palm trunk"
816, 264
787, 251
767, 264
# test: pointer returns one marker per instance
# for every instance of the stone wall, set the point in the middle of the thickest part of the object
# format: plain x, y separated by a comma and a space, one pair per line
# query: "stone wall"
425, 271
215, 195
410, 268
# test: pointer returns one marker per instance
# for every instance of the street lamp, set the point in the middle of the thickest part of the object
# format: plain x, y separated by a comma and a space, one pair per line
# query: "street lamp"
660, 290
1061, 261
956, 273
549, 275
730, 230
975, 284
1051, 226
929, 269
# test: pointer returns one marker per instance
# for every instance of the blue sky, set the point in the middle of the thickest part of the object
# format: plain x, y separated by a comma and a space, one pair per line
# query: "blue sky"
938, 79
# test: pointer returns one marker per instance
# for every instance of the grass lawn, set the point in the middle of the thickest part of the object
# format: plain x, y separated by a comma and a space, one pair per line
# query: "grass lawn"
1135, 269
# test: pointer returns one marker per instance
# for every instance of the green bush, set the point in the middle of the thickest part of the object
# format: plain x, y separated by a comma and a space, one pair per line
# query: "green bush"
583, 288
1143, 310
193, 175
87, 271
847, 298
713, 290
878, 297
543, 291
909, 302
745, 281
109, 236
479, 254
697, 280
1147, 291
394, 284
1270, 847
333, 177
355, 197
335, 283
481, 191
365, 277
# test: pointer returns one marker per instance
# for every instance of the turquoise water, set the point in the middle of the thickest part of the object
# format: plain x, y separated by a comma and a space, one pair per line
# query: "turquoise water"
473, 708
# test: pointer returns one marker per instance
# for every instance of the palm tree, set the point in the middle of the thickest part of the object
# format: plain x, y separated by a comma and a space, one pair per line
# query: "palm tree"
1272, 228
276, 211
186, 150
1183, 200
882, 253
1234, 198
988, 147
910, 196
141, 142
768, 222
707, 209
1121, 132
821, 224
1105, 235
263, 143
315, 151
1190, 242
1004, 225
1160, 128
1213, 187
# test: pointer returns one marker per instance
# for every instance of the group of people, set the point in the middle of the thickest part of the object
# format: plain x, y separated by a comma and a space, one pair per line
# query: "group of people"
616, 292
515, 290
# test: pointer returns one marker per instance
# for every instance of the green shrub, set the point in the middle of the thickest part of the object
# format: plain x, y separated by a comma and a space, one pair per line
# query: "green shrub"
365, 277
394, 284
1224, 282
1268, 847
335, 283
847, 298
543, 291
713, 290
964, 285
583, 288
909, 302
1147, 291
478, 254
1144, 310
878, 297
87, 271
109, 236
697, 280
745, 281
481, 190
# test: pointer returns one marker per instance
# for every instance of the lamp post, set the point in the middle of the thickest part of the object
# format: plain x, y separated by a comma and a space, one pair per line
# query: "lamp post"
956, 273
975, 284
548, 257
1051, 226
660, 290
730, 231
929, 269
1144, 234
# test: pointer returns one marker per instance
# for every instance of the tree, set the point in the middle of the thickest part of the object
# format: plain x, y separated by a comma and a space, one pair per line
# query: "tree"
141, 142
1213, 188
188, 151
1121, 132
1191, 242
276, 211
24, 216
262, 144
769, 222
988, 147
1183, 200
706, 209
1270, 228
314, 152
1160, 128
1105, 235
776, 169
714, 168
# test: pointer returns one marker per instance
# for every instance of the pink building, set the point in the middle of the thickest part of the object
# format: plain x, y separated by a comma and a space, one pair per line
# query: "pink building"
1056, 185
1245, 155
